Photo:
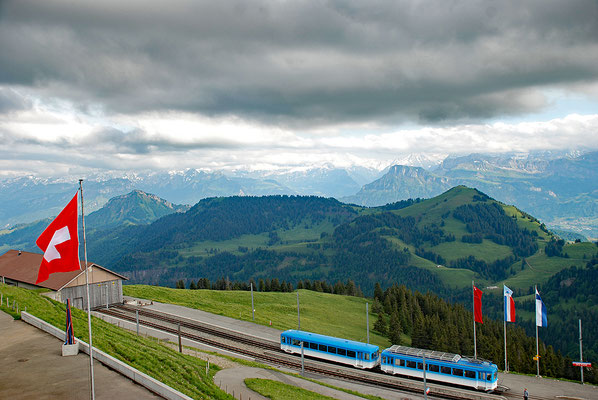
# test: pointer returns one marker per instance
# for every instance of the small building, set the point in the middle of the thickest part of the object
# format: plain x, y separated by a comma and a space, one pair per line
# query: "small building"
20, 268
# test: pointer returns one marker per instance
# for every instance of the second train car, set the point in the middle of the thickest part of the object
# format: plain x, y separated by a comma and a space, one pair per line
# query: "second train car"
440, 367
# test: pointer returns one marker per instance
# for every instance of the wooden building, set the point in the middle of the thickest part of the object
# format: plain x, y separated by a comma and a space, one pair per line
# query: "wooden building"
20, 268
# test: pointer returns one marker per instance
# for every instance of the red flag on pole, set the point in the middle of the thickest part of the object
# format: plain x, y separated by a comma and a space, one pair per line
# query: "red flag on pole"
60, 243
477, 304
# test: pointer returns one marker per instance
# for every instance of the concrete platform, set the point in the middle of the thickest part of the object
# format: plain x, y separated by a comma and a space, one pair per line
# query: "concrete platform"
546, 388
32, 367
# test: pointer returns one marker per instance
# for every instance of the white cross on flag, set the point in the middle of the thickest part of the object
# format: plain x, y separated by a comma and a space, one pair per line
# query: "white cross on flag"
60, 243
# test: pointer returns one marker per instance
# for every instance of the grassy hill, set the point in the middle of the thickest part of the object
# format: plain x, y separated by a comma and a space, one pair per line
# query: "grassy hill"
322, 313
426, 244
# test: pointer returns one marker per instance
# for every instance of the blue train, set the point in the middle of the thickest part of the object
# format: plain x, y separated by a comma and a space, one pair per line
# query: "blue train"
360, 355
397, 360
440, 366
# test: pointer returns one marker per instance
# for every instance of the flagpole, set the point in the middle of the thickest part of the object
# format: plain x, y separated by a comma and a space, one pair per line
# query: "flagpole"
537, 346
505, 325
475, 349
92, 393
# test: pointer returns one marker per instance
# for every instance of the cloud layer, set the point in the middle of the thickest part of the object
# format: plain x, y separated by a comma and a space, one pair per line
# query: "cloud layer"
302, 62
210, 84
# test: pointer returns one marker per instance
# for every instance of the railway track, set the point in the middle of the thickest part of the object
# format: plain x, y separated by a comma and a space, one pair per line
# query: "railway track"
258, 349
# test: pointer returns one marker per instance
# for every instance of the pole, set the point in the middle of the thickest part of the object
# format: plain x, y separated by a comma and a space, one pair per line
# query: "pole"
367, 321
302, 365
137, 319
425, 385
92, 383
252, 308
180, 344
475, 348
298, 315
106, 295
537, 345
506, 368
580, 352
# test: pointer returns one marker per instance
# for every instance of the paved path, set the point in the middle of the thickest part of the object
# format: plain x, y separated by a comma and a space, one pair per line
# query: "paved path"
232, 381
547, 388
32, 367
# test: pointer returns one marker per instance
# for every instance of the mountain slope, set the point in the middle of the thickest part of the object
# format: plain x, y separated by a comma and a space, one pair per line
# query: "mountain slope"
134, 208
400, 183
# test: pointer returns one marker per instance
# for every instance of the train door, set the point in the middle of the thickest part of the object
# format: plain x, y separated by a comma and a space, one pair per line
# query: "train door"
359, 359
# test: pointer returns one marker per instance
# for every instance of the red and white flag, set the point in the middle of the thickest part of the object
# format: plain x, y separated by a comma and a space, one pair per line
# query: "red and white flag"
60, 243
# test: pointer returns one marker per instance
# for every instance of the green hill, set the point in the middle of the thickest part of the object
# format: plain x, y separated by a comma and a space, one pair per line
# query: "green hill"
434, 244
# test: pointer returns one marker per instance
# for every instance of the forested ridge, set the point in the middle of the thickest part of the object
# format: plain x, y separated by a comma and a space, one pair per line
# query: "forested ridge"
295, 239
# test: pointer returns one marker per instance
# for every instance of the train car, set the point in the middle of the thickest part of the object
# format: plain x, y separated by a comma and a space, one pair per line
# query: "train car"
357, 354
441, 367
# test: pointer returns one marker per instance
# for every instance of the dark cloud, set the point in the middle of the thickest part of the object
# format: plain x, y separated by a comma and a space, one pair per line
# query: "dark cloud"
302, 62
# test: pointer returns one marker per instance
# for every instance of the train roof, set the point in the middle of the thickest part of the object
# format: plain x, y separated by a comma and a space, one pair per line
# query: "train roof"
437, 355
430, 354
331, 341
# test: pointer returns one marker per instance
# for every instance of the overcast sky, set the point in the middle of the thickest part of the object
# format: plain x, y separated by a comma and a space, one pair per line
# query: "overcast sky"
130, 85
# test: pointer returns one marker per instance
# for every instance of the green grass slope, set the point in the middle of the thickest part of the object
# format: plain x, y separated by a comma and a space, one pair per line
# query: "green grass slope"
322, 313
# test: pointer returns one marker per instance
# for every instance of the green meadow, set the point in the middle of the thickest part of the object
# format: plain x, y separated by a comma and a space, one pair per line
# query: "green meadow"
327, 314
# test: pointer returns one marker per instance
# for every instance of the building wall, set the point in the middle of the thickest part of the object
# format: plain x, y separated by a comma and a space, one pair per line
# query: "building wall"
95, 275
13, 282
99, 293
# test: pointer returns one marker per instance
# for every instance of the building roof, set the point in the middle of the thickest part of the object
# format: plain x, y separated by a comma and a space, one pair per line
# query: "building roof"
23, 266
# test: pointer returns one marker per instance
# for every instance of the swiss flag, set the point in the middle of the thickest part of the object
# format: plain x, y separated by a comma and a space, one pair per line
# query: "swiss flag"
60, 243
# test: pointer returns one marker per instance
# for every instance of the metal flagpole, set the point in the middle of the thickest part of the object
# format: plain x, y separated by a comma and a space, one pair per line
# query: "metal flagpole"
475, 349
506, 368
87, 291
505, 326
537, 346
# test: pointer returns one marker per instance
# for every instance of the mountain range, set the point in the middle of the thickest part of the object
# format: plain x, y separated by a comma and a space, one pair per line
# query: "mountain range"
560, 189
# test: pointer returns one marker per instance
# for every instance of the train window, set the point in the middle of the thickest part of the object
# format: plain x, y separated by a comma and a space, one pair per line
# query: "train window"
457, 372
383, 360
313, 346
322, 347
410, 364
470, 374
482, 375
350, 354
296, 342
332, 350
489, 376
420, 366
433, 368
367, 356
398, 361
342, 352
445, 370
